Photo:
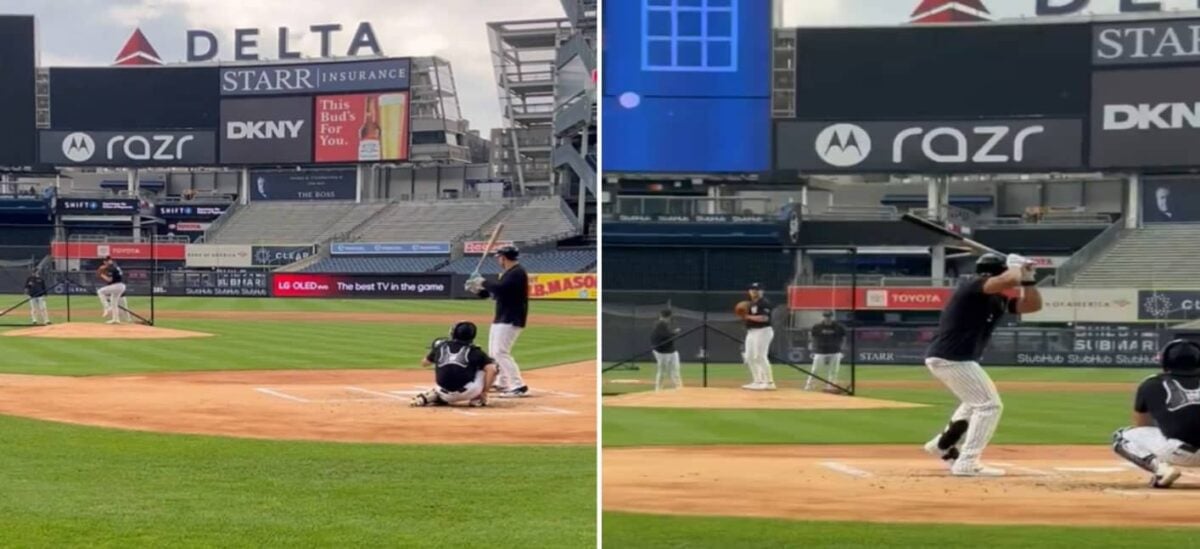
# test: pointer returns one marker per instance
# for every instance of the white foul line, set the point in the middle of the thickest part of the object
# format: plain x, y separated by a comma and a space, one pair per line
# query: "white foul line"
846, 469
1091, 469
1026, 470
376, 393
1154, 492
280, 394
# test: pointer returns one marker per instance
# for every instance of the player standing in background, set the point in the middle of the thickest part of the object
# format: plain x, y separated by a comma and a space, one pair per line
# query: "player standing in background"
113, 292
825, 340
511, 292
1166, 417
462, 371
964, 330
665, 353
757, 317
35, 288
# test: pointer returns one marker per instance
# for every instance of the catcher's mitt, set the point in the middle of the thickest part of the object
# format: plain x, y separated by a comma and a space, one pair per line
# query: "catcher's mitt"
743, 309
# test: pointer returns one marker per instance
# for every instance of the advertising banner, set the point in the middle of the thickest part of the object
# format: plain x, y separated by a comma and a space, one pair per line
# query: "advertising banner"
695, 218
928, 147
1147, 42
144, 99
477, 247
271, 256
1145, 118
562, 286
92, 250
1170, 199
821, 298
362, 128
97, 206
266, 131
336, 184
361, 286
188, 227
1087, 305
206, 213
132, 148
1162, 305
218, 255
313, 78
18, 134
1100, 345
390, 248
219, 283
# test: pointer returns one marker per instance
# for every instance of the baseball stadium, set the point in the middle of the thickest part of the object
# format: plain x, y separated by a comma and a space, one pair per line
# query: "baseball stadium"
218, 281
803, 223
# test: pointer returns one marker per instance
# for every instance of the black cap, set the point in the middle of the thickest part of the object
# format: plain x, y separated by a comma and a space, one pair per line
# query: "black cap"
827, 314
754, 286
508, 252
1180, 355
463, 332
991, 264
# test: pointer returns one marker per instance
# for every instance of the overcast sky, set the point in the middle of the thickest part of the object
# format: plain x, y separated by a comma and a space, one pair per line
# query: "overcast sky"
91, 32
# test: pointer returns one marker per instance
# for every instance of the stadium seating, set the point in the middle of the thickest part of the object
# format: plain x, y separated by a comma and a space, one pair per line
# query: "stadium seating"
435, 221
376, 264
562, 261
1152, 257
538, 221
291, 222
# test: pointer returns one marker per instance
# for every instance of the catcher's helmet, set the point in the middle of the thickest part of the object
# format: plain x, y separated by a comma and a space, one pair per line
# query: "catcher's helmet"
508, 252
463, 332
991, 265
1180, 355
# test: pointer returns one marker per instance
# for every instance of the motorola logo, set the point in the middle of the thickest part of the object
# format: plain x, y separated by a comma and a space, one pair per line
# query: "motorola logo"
78, 147
843, 145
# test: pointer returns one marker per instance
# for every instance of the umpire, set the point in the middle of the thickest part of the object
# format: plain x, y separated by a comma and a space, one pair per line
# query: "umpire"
511, 292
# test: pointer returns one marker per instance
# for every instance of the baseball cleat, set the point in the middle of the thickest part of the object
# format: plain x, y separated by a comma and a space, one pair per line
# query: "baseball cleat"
516, 392
767, 387
960, 469
1164, 476
113, 322
476, 403
753, 386
419, 401
947, 456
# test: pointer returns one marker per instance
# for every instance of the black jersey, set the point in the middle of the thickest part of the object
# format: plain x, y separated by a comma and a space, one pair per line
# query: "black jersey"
1173, 400
760, 307
967, 322
115, 274
456, 364
511, 292
35, 286
661, 337
827, 337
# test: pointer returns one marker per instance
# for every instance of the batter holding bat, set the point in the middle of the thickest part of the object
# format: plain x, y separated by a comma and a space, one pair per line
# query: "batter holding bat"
756, 314
511, 292
964, 330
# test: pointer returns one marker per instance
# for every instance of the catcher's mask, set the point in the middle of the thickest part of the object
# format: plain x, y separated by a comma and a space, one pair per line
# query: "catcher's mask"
1180, 355
463, 332
991, 265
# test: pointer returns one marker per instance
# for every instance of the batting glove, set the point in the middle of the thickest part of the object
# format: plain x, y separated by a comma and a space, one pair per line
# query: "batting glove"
1015, 260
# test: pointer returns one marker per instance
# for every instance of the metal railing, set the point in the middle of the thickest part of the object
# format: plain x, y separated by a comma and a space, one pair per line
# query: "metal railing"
691, 205
856, 213
220, 221
879, 280
1066, 272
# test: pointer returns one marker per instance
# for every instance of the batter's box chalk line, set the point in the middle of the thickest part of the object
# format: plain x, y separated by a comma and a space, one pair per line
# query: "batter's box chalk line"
846, 469
508, 412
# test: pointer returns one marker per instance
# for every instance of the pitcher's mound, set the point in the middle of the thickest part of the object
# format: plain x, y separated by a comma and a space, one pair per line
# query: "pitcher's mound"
85, 330
783, 399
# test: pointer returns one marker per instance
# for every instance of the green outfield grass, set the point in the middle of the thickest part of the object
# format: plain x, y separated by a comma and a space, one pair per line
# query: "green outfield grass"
79, 486
141, 305
74, 486
259, 344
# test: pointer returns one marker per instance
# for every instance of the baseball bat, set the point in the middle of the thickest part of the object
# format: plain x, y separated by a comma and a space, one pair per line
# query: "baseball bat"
491, 242
972, 244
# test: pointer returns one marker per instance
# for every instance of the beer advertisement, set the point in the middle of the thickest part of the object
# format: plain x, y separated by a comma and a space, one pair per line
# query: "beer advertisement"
362, 127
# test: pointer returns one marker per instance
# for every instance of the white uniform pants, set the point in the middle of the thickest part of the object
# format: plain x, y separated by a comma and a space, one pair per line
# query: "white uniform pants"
37, 310
980, 403
758, 345
112, 297
501, 338
832, 362
471, 391
668, 365
1146, 443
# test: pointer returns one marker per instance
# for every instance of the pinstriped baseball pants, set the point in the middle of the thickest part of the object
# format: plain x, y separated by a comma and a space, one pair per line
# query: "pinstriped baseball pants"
979, 402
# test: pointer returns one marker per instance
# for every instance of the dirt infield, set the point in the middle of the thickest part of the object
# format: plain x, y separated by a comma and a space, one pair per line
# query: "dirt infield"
86, 330
720, 398
1031, 386
327, 405
562, 321
1050, 485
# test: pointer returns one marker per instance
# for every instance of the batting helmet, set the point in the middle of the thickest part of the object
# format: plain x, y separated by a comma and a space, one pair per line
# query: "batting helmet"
463, 332
508, 252
1180, 355
991, 265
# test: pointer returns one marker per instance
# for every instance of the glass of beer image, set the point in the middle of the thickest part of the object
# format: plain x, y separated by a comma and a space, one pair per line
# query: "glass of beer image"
393, 125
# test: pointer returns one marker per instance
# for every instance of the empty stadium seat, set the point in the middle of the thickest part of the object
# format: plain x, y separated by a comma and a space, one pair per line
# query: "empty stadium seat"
432, 221
541, 220
1151, 257
560, 261
291, 222
376, 265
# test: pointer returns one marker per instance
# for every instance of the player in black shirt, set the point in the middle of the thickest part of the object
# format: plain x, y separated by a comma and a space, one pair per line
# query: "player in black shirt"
759, 334
35, 288
964, 330
1166, 417
511, 292
825, 341
463, 372
665, 353
112, 294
